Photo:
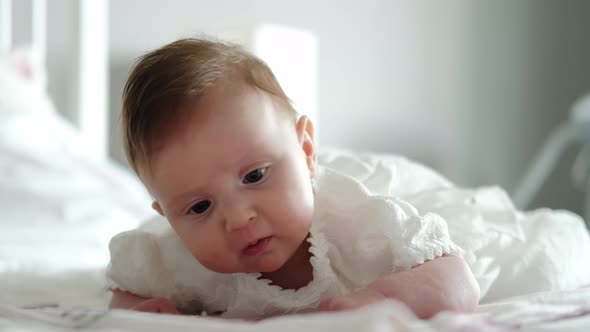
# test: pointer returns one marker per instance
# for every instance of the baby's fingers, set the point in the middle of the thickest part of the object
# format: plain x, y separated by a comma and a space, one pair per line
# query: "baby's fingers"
337, 303
352, 301
157, 305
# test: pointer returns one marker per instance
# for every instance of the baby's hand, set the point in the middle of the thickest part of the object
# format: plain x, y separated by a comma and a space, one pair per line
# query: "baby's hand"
156, 305
352, 301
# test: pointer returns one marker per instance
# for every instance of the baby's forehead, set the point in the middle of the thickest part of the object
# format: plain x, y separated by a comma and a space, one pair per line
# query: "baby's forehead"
233, 102
222, 111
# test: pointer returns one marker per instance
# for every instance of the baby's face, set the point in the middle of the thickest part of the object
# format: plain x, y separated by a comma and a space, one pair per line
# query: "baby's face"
234, 182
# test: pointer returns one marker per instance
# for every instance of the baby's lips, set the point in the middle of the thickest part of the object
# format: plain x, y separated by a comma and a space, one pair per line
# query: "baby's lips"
257, 247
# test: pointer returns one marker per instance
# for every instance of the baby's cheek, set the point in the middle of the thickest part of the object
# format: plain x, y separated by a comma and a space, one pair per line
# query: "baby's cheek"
214, 258
297, 200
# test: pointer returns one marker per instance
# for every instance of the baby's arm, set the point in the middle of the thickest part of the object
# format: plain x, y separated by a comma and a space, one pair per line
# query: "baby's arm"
443, 284
126, 300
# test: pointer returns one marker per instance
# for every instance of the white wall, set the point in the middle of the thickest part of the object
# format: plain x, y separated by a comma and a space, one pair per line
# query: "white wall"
525, 64
381, 82
470, 87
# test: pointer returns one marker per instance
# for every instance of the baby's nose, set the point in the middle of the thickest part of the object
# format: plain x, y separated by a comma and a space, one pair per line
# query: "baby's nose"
239, 216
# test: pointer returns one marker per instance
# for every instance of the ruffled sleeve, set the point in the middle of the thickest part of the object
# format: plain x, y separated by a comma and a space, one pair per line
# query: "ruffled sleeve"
153, 262
136, 264
371, 236
415, 238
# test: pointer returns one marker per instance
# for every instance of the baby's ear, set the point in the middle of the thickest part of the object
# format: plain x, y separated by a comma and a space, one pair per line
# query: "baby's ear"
158, 208
305, 136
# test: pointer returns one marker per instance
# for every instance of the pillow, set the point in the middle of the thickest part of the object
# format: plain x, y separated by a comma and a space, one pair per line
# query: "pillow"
59, 206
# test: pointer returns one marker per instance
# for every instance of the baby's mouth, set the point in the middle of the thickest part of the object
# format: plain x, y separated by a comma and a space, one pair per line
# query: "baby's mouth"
256, 247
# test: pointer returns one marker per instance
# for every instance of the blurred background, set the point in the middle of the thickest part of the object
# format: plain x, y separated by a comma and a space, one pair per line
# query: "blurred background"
471, 88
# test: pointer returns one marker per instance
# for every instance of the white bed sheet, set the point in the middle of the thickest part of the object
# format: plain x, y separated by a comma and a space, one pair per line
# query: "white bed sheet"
546, 311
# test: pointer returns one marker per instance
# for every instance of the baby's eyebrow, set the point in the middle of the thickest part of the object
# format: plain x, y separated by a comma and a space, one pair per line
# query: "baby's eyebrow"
255, 153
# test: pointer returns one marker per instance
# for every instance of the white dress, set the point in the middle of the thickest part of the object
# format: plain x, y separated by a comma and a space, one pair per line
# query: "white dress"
510, 252
356, 237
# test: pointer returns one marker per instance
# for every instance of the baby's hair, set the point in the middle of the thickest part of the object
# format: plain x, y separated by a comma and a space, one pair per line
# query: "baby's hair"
183, 70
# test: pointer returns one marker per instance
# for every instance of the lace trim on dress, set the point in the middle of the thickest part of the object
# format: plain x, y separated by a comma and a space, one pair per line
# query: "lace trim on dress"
426, 250
278, 299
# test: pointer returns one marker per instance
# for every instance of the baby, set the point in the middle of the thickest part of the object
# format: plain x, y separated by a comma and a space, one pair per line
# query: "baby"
253, 230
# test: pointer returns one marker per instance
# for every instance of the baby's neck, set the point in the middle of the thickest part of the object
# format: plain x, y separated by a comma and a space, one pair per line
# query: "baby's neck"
296, 273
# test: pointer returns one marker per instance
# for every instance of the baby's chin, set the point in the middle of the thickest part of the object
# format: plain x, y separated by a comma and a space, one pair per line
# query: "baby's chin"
266, 266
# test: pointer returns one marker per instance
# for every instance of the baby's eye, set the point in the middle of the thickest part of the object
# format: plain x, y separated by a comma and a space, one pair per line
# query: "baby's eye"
255, 176
201, 207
